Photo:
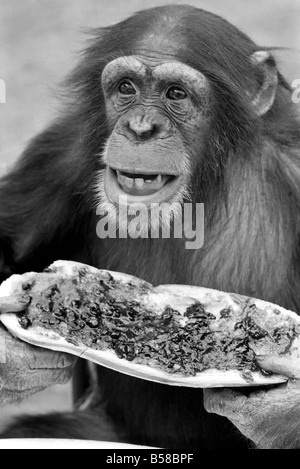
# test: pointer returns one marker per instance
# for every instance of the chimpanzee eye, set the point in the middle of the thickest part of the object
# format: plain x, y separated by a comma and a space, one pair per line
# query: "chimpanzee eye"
175, 93
125, 87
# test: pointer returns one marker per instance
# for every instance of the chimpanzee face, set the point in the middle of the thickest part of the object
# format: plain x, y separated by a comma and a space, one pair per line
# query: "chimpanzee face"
157, 113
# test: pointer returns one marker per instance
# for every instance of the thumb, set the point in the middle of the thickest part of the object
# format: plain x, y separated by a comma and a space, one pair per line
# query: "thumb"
286, 366
11, 304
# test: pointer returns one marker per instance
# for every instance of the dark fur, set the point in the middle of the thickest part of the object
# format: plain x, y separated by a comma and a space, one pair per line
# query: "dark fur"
77, 425
248, 178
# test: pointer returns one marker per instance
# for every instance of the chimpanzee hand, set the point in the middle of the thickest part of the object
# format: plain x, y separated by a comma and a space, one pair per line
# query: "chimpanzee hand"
268, 417
26, 369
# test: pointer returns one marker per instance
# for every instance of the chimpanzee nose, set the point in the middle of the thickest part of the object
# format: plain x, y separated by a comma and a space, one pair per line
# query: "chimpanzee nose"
142, 126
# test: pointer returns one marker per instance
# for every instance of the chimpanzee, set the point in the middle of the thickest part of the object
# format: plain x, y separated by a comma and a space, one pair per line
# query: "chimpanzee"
174, 104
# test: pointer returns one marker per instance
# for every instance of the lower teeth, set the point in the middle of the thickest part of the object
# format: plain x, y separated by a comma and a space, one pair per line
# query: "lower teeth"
152, 184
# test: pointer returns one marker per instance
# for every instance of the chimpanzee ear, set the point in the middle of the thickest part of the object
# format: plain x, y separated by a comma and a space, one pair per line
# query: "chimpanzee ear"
264, 99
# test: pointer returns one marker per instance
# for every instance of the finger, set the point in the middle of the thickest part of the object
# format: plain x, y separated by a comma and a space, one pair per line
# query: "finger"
224, 402
65, 375
48, 378
32, 357
281, 365
11, 304
34, 381
47, 359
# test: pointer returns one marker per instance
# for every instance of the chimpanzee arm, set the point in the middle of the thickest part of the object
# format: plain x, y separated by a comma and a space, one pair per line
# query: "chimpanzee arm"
38, 203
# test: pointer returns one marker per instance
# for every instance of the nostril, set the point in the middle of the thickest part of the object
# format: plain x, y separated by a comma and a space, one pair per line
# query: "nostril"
147, 134
142, 130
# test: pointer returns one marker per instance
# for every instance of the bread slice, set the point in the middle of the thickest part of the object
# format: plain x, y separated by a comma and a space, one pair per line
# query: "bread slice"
172, 334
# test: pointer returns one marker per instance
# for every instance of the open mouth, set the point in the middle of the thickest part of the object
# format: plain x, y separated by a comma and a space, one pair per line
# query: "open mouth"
139, 187
139, 184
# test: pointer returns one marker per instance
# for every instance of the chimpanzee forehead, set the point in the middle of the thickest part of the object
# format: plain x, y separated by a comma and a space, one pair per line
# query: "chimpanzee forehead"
165, 69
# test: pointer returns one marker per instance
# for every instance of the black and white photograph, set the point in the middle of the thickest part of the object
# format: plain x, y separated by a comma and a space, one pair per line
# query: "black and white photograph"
150, 227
